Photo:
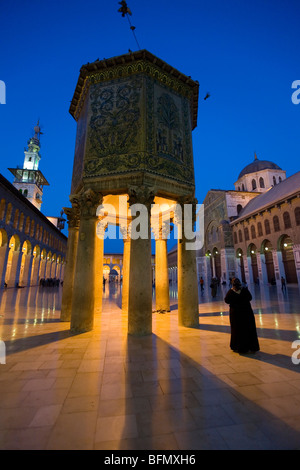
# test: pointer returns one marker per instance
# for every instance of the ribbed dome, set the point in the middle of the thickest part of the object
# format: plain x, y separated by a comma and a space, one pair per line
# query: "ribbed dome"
258, 165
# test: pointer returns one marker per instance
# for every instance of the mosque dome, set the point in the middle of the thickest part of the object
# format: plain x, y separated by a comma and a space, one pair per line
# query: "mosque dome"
258, 165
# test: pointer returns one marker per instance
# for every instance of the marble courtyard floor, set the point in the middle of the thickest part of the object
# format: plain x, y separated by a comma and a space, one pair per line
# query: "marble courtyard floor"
176, 389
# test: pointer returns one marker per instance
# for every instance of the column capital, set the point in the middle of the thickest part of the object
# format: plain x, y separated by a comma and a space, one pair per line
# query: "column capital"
161, 230
100, 229
73, 216
180, 213
141, 195
125, 231
87, 202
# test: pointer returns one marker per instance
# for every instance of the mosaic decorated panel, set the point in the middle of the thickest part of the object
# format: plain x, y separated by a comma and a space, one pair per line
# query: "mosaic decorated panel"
114, 140
137, 123
169, 140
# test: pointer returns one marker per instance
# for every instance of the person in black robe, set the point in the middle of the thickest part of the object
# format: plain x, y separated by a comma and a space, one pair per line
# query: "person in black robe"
242, 322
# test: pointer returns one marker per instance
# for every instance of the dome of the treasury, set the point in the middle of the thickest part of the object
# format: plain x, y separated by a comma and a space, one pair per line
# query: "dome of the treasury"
258, 165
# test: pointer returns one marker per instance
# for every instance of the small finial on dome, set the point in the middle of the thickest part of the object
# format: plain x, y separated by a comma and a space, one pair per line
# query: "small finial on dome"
255, 156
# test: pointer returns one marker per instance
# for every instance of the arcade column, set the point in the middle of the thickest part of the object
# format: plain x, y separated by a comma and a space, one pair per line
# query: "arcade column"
83, 302
99, 250
67, 293
126, 269
140, 277
162, 293
188, 313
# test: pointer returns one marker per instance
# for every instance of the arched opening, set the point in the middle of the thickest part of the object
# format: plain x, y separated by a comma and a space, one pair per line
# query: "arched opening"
288, 259
261, 182
253, 184
115, 273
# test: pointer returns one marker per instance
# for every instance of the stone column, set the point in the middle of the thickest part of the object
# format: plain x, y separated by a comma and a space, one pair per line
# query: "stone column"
162, 294
99, 249
247, 269
250, 270
126, 269
296, 250
83, 302
188, 313
29, 272
140, 278
4, 258
278, 267
67, 293
262, 270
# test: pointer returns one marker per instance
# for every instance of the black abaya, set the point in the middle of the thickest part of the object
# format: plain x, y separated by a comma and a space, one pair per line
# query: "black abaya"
242, 321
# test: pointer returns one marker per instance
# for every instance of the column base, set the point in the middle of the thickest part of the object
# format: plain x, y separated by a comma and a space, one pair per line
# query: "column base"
162, 311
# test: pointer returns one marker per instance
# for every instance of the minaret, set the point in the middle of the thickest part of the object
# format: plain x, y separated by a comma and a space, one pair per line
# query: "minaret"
29, 180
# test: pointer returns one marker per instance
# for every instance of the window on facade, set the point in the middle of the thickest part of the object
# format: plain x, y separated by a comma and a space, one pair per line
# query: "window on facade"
16, 218
32, 228
8, 213
2, 208
287, 220
239, 207
25, 192
297, 215
279, 179
274, 180
27, 225
253, 184
246, 233
21, 223
240, 236
261, 182
239, 188
259, 229
235, 237
253, 232
267, 227
276, 223
243, 187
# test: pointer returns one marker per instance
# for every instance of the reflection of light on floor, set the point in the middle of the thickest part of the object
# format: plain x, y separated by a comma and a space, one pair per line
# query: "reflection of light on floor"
258, 393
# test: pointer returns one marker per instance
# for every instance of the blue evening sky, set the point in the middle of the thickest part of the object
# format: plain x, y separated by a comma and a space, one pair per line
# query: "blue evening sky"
245, 53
